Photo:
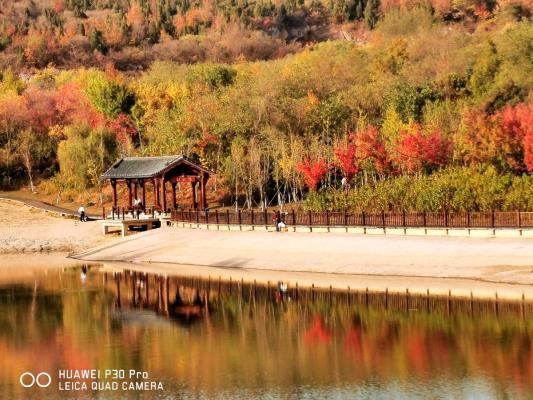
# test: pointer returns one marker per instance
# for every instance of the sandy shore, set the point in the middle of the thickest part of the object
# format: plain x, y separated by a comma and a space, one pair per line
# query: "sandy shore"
27, 230
382, 258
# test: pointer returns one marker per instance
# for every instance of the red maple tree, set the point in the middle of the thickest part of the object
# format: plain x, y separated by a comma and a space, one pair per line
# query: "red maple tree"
416, 150
346, 158
74, 107
124, 128
313, 172
515, 135
370, 147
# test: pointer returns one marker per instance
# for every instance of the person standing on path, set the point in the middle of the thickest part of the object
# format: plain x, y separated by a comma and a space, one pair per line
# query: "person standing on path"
81, 211
278, 221
275, 220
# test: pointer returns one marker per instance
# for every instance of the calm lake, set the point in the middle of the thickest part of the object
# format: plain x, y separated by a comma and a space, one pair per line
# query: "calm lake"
240, 346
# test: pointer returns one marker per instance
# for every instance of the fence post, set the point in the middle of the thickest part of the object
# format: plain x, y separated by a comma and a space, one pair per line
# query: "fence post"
252, 217
309, 217
383, 218
446, 218
113, 212
216, 216
345, 218
153, 212
363, 218
239, 215
519, 219
468, 219
197, 216
103, 213
492, 218
293, 217
403, 218
327, 218
227, 216
123, 213
425, 221
265, 218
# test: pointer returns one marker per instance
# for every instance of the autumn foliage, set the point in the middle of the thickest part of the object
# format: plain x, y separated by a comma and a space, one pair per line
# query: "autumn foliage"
371, 150
424, 96
417, 151
503, 138
312, 171
346, 158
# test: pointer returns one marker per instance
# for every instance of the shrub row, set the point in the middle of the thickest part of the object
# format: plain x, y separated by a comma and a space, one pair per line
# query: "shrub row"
452, 189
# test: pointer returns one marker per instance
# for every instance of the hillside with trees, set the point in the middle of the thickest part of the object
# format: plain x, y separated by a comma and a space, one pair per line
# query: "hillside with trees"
420, 106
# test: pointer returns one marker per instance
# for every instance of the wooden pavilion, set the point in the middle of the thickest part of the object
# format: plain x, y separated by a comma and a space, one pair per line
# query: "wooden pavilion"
138, 172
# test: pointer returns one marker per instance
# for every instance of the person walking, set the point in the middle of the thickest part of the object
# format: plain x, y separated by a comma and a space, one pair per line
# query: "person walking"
81, 212
345, 185
275, 220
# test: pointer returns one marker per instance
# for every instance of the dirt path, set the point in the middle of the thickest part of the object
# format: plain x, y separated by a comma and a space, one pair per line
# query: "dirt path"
44, 206
26, 229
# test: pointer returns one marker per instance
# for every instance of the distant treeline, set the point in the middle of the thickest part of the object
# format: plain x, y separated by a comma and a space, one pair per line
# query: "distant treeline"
132, 33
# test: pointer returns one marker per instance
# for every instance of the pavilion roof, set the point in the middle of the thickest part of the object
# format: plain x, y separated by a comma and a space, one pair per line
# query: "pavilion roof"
147, 167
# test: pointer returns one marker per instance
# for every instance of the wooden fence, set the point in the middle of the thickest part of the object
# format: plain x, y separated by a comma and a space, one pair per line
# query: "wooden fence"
494, 219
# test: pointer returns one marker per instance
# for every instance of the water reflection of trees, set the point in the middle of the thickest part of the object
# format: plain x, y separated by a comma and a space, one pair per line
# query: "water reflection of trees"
255, 343
21, 305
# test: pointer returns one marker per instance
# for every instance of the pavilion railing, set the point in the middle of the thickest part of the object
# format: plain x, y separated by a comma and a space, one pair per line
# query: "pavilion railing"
384, 219
121, 213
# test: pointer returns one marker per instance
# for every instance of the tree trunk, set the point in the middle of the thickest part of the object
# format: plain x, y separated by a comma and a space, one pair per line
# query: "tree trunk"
28, 164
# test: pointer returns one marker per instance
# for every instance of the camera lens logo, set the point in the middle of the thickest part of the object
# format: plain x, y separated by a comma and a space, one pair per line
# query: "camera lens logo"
43, 379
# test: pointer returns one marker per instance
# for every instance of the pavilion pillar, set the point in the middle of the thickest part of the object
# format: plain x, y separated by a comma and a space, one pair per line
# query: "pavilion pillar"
164, 193
194, 204
114, 186
201, 192
143, 186
135, 182
158, 182
156, 192
203, 197
128, 182
174, 205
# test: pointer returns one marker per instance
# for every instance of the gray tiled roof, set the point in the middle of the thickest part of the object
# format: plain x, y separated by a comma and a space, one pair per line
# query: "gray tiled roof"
145, 167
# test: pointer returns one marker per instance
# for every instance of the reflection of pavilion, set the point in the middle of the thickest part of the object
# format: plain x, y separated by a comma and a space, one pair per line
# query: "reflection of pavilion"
162, 294
138, 172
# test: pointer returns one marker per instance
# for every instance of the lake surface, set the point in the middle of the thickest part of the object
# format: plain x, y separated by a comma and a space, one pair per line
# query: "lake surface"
239, 348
